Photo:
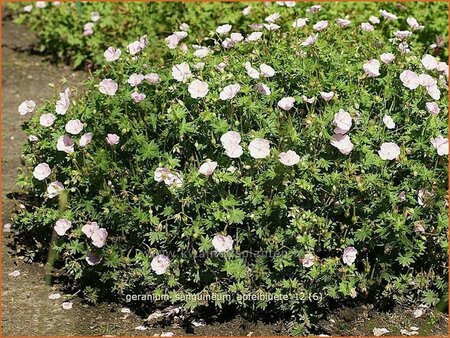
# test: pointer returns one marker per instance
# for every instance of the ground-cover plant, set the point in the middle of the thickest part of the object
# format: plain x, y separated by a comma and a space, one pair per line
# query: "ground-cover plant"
305, 162
75, 31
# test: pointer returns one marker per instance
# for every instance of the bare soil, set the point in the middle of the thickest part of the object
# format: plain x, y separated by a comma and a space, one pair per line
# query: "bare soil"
27, 311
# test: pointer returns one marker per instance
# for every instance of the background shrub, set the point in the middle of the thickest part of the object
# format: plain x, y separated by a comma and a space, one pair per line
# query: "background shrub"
338, 225
60, 26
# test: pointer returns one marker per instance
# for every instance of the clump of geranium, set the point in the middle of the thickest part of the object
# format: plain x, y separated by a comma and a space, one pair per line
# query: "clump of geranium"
263, 162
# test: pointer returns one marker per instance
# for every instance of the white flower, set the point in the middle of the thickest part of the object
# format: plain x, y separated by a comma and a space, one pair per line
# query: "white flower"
412, 22
74, 127
342, 143
349, 255
181, 72
441, 145
85, 139
343, 122
222, 243
410, 79
90, 228
434, 92
254, 36
367, 27
54, 189
61, 226
286, 103
26, 107
41, 171
112, 54
387, 58
230, 141
46, 120
259, 148
272, 18
252, 72
388, 16
389, 151
321, 25
198, 89
300, 23
433, 108
372, 68
374, 20
429, 62
343, 22
402, 35
161, 174
266, 70
65, 144
135, 79
388, 122
310, 40
229, 92
62, 105
99, 237
327, 96
224, 29
134, 47
308, 260
207, 168
108, 87
160, 264
263, 89
377, 332
289, 158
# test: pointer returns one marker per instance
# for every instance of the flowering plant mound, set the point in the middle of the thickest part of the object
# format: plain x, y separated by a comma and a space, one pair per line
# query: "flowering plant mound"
306, 160
75, 31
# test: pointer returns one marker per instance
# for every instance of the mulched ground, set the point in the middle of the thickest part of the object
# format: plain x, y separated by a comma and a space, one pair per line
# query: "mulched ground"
27, 310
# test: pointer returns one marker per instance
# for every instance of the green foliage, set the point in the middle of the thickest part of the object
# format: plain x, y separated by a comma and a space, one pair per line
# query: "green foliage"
275, 214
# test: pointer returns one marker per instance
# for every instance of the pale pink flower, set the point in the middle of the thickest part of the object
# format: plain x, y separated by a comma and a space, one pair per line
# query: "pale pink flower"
429, 62
198, 89
138, 97
65, 144
90, 228
389, 151
112, 139
201, 52
33, 138
143, 41
308, 100
441, 145
46, 120
108, 87
236, 37
387, 58
314, 9
410, 79
433, 108
388, 122
252, 72
300, 23
442, 67
74, 127
308, 260
321, 25
228, 43
412, 22
95, 16
423, 197
88, 29
343, 22
254, 36
28, 9
85, 139
54, 189
404, 47
62, 105
349, 255
327, 96
223, 29
42, 171
310, 40
174, 39
289, 158
222, 243
199, 66
61, 226
160, 264
26, 107
152, 78
259, 148
112, 54
229, 92
230, 141
174, 180
343, 122
207, 168
263, 89
372, 68
184, 27
342, 143
434, 92
402, 35
286, 103
427, 80
134, 47
374, 20
247, 10
99, 237
366, 27
266, 70
135, 79
161, 174
388, 16
92, 259
181, 72
271, 26
272, 18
